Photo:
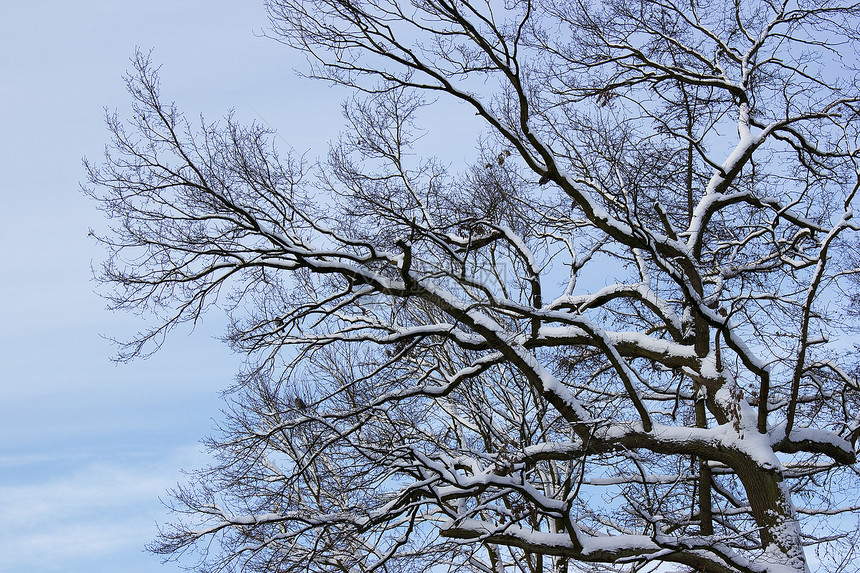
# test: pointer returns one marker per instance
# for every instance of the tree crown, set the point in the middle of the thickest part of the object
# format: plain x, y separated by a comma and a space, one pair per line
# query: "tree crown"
440, 370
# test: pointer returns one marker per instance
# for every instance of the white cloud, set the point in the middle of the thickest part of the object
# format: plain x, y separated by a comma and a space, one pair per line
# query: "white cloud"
87, 515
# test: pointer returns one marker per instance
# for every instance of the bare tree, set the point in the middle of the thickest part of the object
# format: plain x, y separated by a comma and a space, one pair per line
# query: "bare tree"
620, 339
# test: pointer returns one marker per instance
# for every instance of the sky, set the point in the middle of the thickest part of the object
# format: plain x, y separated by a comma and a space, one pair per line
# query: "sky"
87, 446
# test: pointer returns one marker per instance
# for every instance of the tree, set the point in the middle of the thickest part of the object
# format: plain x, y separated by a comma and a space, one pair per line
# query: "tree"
441, 371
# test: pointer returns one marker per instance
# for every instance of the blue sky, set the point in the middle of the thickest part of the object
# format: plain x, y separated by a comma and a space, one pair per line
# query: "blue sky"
86, 446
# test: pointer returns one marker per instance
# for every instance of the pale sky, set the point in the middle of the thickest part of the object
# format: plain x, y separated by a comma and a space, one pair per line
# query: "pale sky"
86, 446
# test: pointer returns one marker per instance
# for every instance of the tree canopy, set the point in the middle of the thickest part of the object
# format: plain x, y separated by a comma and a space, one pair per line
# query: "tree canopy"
620, 338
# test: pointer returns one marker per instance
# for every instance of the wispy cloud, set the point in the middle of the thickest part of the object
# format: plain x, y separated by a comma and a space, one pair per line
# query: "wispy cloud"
86, 513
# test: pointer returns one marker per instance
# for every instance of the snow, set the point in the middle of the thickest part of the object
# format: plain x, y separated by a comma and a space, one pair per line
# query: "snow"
618, 543
777, 434
517, 241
